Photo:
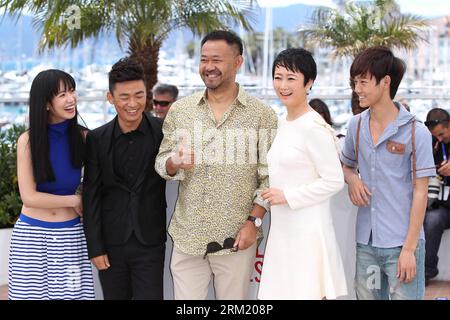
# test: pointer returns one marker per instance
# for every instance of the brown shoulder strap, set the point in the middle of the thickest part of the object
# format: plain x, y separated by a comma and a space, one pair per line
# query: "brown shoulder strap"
358, 129
413, 151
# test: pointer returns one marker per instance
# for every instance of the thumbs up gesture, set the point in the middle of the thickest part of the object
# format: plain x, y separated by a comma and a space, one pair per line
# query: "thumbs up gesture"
184, 158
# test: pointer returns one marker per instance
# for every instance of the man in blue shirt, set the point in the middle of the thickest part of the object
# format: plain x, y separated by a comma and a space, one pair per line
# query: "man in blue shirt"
392, 152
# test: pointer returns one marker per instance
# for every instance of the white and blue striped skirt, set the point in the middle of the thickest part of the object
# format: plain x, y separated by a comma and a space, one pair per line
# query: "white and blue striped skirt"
49, 260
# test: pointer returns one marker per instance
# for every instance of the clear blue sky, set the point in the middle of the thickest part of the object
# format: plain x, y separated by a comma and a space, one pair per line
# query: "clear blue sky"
427, 8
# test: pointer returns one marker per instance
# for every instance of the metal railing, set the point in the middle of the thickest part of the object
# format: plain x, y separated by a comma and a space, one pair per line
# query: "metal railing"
96, 110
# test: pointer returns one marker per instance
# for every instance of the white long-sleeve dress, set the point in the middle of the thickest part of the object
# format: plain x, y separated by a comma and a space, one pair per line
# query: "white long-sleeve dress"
302, 258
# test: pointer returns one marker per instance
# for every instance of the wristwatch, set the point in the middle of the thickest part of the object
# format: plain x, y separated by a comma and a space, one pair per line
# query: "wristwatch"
255, 220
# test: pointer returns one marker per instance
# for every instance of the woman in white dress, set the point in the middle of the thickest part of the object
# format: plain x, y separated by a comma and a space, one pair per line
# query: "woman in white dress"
302, 259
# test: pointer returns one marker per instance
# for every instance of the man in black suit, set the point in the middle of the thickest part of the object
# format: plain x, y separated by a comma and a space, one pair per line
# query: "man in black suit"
123, 197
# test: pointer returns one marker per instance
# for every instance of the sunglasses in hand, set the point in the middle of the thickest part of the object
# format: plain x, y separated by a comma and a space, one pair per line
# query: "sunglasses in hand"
214, 246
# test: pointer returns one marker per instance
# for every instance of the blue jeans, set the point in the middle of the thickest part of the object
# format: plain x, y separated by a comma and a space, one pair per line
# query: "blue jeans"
436, 221
376, 274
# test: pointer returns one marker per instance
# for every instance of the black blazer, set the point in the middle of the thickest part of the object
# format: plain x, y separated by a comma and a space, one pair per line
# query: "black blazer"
112, 211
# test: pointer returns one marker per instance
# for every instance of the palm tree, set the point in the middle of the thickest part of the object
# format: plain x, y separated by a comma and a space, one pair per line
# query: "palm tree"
141, 25
361, 26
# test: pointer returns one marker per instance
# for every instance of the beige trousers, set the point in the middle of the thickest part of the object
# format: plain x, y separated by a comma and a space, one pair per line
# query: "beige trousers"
231, 274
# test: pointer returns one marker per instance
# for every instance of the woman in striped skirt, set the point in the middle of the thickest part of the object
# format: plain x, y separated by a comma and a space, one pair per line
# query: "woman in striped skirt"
48, 256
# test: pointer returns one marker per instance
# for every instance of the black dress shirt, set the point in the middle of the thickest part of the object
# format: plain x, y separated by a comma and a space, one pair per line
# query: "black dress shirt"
129, 160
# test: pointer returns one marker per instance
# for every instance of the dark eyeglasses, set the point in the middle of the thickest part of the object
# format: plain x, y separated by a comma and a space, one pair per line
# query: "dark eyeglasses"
432, 123
162, 103
213, 247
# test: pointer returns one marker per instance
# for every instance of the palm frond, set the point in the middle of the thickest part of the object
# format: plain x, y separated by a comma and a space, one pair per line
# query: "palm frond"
361, 26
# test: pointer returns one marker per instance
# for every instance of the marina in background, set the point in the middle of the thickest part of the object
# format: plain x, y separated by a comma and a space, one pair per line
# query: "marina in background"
426, 84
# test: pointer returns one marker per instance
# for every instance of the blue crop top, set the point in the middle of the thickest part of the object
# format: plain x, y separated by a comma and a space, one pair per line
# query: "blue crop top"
67, 177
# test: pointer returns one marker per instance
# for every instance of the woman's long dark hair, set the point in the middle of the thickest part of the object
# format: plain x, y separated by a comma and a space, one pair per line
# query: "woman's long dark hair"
44, 87
321, 107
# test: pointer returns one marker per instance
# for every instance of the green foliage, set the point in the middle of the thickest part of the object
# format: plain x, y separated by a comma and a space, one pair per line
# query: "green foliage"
10, 202
140, 25
65, 22
363, 25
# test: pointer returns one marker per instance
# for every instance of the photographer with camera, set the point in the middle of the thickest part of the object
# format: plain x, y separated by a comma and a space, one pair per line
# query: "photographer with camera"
437, 217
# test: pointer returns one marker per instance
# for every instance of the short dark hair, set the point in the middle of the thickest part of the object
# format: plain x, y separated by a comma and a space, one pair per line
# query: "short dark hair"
321, 107
437, 116
229, 37
297, 60
126, 69
169, 89
379, 62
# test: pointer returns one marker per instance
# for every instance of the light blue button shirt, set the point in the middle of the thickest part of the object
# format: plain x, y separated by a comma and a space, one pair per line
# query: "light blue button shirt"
388, 175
